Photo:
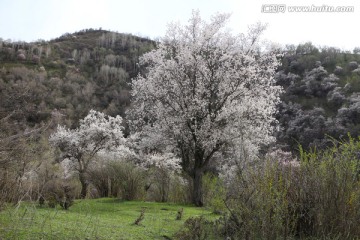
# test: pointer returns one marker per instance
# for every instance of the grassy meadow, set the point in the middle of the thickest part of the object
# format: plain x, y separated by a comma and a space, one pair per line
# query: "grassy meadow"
104, 218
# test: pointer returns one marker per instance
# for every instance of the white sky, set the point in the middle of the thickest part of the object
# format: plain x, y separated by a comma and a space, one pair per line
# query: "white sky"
29, 20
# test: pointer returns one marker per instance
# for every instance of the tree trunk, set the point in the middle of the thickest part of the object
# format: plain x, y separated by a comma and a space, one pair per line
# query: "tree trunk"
84, 185
109, 186
197, 197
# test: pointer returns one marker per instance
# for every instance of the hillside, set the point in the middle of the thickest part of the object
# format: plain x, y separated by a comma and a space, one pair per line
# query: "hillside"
321, 96
92, 69
74, 73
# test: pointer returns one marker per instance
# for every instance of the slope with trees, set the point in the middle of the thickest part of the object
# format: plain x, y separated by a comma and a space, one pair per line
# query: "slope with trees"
320, 100
74, 73
46, 83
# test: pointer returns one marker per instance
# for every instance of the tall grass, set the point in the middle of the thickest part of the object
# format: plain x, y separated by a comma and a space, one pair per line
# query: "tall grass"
316, 197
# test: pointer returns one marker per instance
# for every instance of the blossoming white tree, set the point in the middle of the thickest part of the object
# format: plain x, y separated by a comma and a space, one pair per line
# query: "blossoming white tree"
96, 132
203, 90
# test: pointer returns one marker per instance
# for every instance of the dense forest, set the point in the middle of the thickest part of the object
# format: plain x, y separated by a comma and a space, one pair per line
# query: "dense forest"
321, 95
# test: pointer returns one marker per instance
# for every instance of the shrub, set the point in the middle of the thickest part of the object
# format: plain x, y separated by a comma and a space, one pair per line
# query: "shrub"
58, 192
258, 206
214, 193
180, 190
198, 228
159, 182
317, 197
127, 180
331, 189
117, 178
100, 178
9, 190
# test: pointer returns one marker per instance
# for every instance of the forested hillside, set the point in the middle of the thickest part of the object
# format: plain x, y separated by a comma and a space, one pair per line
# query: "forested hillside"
72, 74
43, 84
92, 69
321, 95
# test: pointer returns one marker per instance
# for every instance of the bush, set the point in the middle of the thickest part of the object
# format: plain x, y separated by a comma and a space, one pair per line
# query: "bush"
331, 189
9, 190
117, 178
101, 180
180, 190
317, 197
163, 185
159, 181
258, 206
127, 180
198, 228
58, 192
214, 193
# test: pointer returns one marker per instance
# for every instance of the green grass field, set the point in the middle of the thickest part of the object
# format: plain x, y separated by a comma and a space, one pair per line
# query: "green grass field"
96, 219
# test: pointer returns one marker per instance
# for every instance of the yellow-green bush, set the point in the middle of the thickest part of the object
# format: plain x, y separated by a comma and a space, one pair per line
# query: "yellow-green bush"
316, 197
214, 193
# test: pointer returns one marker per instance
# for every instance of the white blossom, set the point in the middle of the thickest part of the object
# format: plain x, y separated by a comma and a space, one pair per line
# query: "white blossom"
204, 90
79, 146
167, 161
95, 133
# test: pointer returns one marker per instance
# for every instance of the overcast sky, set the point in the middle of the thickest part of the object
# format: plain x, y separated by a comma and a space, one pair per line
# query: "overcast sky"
29, 20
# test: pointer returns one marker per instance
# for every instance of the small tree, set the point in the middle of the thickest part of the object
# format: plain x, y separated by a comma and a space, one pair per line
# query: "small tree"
96, 132
202, 91
162, 167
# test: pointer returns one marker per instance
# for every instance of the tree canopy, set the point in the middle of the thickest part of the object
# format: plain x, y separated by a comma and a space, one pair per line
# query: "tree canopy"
97, 132
204, 90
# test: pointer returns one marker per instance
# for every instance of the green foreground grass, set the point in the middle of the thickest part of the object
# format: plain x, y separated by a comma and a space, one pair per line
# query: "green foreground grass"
96, 219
